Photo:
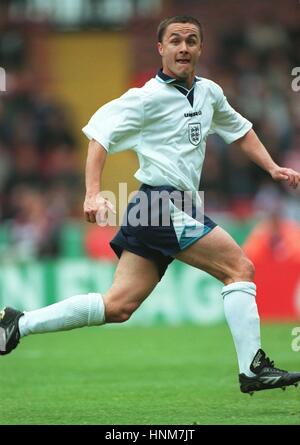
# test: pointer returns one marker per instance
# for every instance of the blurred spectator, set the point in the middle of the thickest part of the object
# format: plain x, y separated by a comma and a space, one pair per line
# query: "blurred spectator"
53, 129
275, 238
34, 230
266, 33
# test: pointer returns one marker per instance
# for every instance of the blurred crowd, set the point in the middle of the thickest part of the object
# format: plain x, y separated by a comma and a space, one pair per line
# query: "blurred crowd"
253, 64
41, 176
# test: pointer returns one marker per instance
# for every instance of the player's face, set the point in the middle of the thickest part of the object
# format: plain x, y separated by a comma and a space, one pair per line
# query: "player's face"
180, 50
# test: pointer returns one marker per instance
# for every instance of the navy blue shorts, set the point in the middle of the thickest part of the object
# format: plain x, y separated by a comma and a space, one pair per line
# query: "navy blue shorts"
158, 223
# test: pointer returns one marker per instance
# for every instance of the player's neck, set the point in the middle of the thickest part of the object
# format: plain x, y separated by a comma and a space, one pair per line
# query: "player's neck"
187, 82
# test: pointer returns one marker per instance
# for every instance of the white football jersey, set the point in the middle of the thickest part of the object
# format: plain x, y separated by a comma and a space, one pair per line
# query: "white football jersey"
167, 125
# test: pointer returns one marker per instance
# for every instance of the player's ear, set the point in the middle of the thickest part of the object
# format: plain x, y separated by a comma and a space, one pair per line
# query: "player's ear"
160, 48
201, 48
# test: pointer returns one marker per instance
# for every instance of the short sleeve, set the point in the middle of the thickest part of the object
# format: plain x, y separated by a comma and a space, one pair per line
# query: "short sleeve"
117, 125
227, 122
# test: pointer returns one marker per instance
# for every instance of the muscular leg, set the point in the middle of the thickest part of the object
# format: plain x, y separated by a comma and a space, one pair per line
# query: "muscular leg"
135, 278
219, 255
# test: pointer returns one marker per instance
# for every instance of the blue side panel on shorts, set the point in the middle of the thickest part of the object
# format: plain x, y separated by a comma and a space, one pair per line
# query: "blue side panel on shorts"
187, 229
186, 241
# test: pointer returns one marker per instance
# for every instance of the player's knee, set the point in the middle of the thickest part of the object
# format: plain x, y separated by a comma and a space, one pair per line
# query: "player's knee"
119, 313
246, 270
119, 306
249, 269
242, 270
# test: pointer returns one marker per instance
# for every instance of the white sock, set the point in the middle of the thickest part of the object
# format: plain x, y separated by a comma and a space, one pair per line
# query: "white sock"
242, 317
71, 313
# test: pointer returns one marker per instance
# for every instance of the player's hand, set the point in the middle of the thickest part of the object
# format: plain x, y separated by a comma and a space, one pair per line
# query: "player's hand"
286, 174
96, 208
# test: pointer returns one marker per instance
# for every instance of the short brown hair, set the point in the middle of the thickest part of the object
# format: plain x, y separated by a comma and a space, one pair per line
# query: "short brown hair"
177, 19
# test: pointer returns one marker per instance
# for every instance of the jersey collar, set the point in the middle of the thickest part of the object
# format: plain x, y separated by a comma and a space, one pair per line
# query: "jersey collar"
162, 77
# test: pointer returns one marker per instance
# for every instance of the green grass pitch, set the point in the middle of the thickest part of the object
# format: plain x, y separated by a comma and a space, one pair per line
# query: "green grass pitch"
133, 376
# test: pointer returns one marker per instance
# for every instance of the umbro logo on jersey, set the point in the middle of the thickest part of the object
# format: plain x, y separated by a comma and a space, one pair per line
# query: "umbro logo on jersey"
192, 114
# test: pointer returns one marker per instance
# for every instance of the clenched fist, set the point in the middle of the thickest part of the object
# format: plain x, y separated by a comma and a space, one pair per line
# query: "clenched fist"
96, 208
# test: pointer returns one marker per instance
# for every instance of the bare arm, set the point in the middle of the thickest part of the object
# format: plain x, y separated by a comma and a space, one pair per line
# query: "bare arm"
256, 151
95, 161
